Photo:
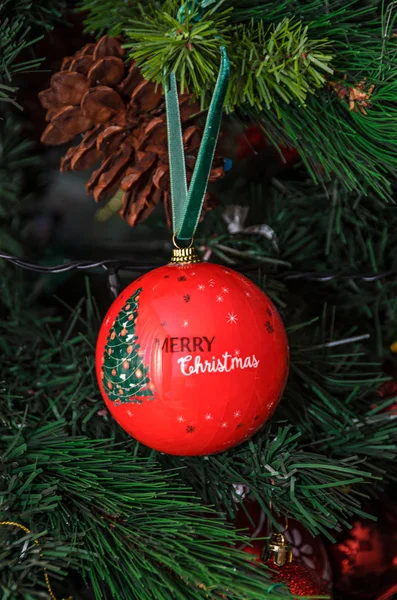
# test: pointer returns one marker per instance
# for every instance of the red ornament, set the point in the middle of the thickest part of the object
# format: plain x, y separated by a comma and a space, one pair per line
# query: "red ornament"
300, 579
207, 358
253, 140
361, 558
308, 550
386, 390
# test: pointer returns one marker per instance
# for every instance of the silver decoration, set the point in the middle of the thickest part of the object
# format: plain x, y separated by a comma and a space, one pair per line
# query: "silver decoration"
235, 216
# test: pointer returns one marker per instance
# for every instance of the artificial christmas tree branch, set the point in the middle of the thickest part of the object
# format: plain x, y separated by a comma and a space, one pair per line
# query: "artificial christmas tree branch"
117, 502
280, 62
15, 156
362, 48
21, 23
38, 15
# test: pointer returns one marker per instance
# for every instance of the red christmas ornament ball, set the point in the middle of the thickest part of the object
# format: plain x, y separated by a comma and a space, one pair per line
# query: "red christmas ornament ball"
361, 557
192, 359
300, 579
386, 390
306, 549
253, 140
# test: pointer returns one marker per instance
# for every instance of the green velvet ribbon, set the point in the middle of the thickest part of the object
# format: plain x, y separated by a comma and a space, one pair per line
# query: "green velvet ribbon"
187, 204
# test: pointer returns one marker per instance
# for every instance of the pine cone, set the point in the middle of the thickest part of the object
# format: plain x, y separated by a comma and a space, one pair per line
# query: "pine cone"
122, 117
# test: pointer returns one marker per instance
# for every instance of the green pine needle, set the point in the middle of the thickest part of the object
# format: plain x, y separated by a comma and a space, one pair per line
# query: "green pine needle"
111, 17
16, 158
162, 42
268, 64
276, 64
20, 22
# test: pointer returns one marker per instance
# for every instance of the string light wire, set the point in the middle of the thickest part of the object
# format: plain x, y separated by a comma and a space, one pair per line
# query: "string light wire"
117, 264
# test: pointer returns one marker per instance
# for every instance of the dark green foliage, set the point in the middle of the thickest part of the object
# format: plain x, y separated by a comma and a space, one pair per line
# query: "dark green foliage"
15, 157
324, 229
119, 518
37, 15
173, 39
13, 40
268, 64
21, 26
361, 152
276, 64
21, 23
353, 233
111, 17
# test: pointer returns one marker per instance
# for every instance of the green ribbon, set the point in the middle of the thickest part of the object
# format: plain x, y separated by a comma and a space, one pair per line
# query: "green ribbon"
187, 205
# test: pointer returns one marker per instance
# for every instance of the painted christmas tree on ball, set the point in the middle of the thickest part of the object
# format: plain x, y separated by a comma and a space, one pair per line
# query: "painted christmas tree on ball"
124, 374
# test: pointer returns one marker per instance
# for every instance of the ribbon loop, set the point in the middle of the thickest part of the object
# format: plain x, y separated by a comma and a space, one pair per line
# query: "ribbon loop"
187, 205
178, 183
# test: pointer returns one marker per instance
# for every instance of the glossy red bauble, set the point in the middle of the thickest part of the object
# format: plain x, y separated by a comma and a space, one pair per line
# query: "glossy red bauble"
364, 558
192, 359
386, 390
307, 550
300, 579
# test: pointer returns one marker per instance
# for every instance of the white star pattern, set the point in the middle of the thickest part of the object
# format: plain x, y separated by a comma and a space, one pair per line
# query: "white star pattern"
226, 271
185, 323
225, 290
237, 414
211, 282
130, 413
232, 318
208, 417
194, 273
247, 294
219, 298
237, 353
201, 287
180, 419
224, 425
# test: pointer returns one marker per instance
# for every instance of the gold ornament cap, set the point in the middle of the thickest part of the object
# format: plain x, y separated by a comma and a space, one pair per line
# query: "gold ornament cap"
279, 550
184, 256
